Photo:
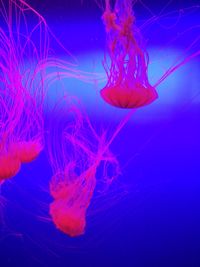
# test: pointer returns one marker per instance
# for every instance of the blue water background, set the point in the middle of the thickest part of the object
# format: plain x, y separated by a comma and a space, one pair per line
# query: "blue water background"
153, 218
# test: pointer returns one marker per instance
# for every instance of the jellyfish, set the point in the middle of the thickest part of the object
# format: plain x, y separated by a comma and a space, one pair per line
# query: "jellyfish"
127, 85
75, 152
23, 80
72, 199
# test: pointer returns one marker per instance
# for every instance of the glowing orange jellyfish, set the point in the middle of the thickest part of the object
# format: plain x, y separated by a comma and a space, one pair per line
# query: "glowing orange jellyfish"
75, 152
128, 85
23, 79
72, 199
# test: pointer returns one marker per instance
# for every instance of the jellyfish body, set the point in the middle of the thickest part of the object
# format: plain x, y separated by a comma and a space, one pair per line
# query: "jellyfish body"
71, 200
22, 80
75, 151
127, 85
69, 220
125, 95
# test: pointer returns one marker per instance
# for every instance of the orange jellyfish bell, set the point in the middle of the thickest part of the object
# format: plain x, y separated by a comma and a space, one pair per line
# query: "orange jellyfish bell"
125, 95
69, 220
